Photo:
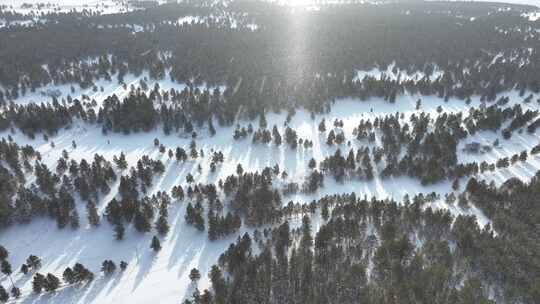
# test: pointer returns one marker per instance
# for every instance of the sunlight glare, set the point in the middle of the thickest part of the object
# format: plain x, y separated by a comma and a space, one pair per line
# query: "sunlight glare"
297, 3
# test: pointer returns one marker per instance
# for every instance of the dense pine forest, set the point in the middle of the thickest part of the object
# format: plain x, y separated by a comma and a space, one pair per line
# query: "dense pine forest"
253, 151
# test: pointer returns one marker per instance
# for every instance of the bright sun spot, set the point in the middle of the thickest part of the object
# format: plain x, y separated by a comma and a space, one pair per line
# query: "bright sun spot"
297, 2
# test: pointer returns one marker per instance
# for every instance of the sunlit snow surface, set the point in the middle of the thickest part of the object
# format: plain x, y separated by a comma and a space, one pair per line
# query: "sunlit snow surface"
63, 6
533, 16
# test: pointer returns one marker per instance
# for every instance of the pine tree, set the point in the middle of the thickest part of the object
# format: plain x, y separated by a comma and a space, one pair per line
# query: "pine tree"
4, 296
6, 269
68, 276
180, 154
312, 163
325, 212
123, 265
331, 138
51, 282
177, 193
155, 245
193, 150
81, 273
119, 231
15, 292
276, 135
24, 269
142, 223
93, 217
211, 128
218, 284
33, 262
239, 170
199, 222
351, 164
189, 178
108, 267
194, 275
455, 184
188, 126
262, 121
322, 126
3, 253
38, 283
74, 219
161, 225
121, 162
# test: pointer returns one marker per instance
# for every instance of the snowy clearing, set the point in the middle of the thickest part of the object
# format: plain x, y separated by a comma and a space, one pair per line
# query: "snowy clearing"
184, 247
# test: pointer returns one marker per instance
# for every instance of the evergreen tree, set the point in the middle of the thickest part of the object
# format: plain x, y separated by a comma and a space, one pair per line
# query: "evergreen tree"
108, 267
322, 126
194, 275
121, 162
93, 216
4, 296
3, 253
74, 219
180, 154
162, 226
155, 245
15, 292
68, 276
81, 274
312, 163
262, 121
239, 170
33, 262
331, 138
38, 283
276, 136
51, 282
119, 231
6, 268
24, 269
211, 128
189, 178
177, 193
193, 153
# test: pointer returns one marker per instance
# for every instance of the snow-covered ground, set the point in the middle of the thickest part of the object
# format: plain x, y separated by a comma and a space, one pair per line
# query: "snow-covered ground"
396, 74
30, 7
523, 2
37, 7
150, 277
533, 16
101, 90
163, 277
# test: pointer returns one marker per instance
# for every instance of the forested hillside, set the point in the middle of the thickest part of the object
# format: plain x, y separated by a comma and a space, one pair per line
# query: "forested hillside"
266, 152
